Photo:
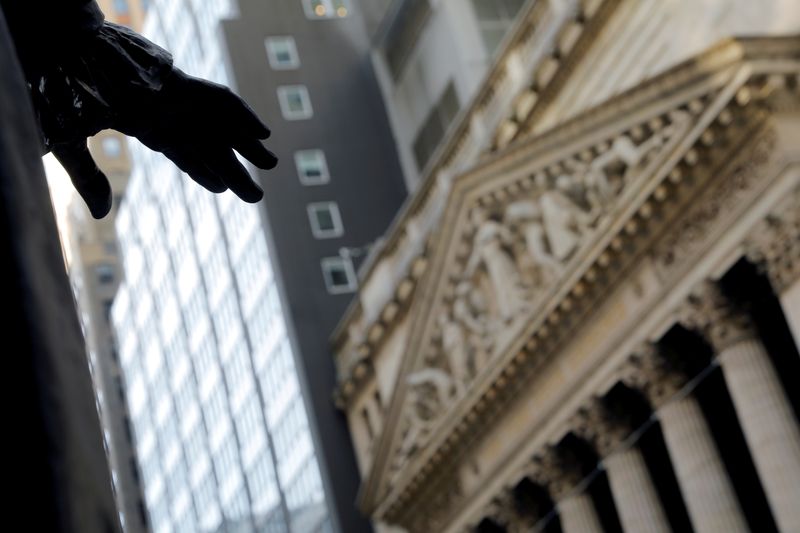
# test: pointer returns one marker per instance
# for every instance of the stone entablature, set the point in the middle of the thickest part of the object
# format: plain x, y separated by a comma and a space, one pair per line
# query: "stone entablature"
501, 269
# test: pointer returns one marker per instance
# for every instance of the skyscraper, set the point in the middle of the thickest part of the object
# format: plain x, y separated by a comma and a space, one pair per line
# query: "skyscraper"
95, 272
304, 65
225, 358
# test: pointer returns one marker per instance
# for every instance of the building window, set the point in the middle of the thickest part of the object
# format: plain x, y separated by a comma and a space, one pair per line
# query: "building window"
402, 34
435, 126
326, 221
105, 273
295, 102
282, 53
339, 274
112, 147
312, 168
495, 17
326, 9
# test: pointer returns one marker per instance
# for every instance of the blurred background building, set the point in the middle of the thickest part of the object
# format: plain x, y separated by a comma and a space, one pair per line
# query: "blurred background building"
586, 316
95, 272
225, 312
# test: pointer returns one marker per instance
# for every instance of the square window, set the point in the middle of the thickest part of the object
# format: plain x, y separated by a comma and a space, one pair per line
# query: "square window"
295, 102
105, 273
326, 221
312, 168
339, 274
282, 53
326, 9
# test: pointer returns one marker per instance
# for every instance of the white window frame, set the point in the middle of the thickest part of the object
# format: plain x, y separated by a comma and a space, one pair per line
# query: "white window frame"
324, 176
330, 10
336, 217
271, 44
283, 98
350, 272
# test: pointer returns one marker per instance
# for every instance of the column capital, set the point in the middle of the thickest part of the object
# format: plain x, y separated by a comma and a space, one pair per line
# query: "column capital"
604, 429
774, 246
649, 372
503, 510
557, 471
712, 314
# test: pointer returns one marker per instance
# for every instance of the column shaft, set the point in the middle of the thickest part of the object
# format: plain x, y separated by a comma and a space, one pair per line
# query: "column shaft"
578, 515
635, 495
705, 485
769, 426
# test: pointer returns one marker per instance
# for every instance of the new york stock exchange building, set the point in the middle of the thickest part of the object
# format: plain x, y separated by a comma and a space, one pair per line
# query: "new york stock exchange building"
587, 316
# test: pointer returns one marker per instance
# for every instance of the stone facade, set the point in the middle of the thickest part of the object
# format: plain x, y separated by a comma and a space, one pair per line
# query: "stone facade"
583, 253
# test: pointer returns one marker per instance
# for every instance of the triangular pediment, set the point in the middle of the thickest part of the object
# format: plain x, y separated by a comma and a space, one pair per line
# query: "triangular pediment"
517, 234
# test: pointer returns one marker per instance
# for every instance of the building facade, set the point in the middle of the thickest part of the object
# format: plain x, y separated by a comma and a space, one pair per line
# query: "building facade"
221, 426
431, 56
95, 272
304, 66
595, 310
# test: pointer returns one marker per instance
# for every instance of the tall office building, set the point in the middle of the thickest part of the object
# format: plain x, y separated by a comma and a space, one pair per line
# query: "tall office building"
95, 272
304, 65
224, 315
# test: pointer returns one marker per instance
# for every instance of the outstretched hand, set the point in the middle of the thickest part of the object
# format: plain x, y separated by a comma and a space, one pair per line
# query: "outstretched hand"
197, 124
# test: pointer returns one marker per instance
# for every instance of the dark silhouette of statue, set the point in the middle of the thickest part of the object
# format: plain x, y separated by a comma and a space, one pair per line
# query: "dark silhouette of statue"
86, 75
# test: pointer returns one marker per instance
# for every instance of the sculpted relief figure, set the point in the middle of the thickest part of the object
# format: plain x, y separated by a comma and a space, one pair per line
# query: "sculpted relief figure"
490, 250
430, 392
526, 216
565, 221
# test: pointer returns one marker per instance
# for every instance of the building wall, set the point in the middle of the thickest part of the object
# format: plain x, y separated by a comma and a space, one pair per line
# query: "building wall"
349, 125
448, 47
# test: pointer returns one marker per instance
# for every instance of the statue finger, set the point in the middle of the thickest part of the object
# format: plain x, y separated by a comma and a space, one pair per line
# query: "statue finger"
193, 164
256, 153
235, 175
88, 180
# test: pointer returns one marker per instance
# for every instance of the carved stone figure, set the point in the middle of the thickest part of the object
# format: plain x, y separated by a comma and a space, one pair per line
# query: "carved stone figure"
454, 344
470, 309
527, 216
565, 222
490, 250
429, 394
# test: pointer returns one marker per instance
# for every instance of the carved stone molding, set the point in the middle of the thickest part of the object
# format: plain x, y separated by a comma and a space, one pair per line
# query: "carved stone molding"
692, 233
649, 372
716, 318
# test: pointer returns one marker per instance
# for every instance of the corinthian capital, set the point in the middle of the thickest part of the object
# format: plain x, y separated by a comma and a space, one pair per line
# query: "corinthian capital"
649, 372
775, 245
558, 471
604, 429
710, 313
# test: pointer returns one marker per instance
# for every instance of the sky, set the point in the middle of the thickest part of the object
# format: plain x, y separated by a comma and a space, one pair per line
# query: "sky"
61, 193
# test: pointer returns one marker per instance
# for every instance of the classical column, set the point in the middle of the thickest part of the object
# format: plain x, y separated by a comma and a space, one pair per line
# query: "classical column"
561, 475
765, 413
635, 495
705, 485
775, 248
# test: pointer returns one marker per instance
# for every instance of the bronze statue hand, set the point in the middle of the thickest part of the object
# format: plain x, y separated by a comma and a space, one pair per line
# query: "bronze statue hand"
121, 81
